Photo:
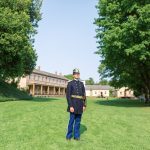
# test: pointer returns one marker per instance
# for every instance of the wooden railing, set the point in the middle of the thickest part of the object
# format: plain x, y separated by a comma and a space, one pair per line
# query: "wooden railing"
46, 83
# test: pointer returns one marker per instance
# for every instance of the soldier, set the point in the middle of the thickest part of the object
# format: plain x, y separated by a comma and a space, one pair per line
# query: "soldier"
76, 99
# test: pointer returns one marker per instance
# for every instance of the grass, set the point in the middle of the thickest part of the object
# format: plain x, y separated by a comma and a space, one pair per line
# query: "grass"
40, 124
11, 93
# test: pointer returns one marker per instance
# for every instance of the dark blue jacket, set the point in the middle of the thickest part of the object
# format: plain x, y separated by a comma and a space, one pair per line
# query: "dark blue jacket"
76, 87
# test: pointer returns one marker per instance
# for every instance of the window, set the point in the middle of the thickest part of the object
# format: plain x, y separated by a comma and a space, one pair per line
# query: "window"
40, 78
37, 77
47, 79
34, 77
129, 92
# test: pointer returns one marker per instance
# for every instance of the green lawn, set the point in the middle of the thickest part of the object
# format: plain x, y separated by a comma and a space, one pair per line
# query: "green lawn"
41, 124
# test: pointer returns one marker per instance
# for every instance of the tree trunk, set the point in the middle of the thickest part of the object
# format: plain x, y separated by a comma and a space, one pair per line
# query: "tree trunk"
146, 92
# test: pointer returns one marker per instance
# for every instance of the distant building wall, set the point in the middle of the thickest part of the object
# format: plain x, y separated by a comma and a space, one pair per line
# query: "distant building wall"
104, 91
23, 83
41, 83
125, 92
96, 93
98, 90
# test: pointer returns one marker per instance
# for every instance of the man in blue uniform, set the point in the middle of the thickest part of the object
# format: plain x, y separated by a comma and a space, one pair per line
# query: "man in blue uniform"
76, 99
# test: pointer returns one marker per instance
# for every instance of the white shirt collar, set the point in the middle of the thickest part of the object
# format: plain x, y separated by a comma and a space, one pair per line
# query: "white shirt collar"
76, 79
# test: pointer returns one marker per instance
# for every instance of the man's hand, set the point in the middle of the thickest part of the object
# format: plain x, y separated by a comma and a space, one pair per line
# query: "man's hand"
84, 108
71, 109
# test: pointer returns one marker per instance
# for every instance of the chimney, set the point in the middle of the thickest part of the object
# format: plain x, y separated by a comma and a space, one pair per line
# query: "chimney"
39, 68
56, 72
60, 74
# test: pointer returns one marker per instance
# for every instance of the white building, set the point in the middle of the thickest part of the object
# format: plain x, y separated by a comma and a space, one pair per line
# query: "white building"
124, 92
97, 90
104, 91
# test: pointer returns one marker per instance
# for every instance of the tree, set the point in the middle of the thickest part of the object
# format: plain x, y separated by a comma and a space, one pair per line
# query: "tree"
123, 35
90, 81
18, 22
104, 82
69, 76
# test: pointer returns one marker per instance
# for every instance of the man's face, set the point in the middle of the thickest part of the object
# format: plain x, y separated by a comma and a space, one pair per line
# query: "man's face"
76, 75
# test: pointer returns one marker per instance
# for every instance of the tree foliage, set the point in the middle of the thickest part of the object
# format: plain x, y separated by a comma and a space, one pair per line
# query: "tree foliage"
123, 35
90, 81
18, 22
104, 82
69, 76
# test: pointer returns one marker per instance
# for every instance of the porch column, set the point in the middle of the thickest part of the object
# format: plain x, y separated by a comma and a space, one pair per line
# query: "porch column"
33, 91
63, 91
54, 92
48, 90
41, 89
59, 91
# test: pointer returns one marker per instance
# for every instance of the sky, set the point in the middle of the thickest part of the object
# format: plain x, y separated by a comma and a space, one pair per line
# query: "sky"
65, 38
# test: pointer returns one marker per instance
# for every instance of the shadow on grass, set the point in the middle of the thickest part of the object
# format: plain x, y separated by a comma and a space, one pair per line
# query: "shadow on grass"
83, 128
121, 103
